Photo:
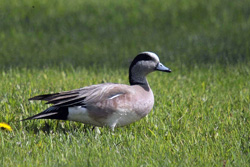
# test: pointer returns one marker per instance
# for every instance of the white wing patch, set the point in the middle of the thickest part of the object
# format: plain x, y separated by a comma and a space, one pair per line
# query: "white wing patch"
117, 95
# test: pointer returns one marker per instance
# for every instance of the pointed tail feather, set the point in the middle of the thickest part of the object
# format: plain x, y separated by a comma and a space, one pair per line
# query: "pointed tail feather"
45, 97
60, 113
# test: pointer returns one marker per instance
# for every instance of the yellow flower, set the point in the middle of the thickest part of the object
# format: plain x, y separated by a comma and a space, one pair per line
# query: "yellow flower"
5, 126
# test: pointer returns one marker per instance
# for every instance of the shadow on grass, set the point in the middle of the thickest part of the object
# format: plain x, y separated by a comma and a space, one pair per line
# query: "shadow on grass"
49, 127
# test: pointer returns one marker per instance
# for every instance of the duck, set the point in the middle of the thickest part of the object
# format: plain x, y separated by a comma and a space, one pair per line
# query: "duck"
107, 104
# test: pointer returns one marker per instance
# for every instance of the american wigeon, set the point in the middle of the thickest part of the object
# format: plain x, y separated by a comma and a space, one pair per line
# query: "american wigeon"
107, 104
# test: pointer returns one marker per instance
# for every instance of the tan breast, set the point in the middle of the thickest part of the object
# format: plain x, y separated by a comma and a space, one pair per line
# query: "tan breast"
122, 110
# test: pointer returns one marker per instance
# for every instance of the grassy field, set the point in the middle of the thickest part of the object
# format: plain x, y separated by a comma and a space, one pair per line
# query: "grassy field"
201, 114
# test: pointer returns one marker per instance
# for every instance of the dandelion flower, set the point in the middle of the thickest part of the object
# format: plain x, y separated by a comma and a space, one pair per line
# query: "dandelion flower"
5, 126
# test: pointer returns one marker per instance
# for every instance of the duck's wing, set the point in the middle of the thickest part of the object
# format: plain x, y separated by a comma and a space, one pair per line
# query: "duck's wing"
87, 95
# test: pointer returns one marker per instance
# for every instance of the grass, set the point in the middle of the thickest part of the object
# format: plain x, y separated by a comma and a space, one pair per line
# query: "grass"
201, 113
37, 34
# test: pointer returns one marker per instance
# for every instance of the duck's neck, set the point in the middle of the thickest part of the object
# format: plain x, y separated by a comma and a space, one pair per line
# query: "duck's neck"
137, 76
141, 81
137, 79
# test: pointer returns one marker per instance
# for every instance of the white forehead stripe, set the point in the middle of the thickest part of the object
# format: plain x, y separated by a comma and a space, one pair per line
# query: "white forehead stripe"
152, 55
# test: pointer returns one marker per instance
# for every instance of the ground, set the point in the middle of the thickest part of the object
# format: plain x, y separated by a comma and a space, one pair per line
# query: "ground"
201, 112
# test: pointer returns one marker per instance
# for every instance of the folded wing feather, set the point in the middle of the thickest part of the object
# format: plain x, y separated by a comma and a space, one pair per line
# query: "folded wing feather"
82, 96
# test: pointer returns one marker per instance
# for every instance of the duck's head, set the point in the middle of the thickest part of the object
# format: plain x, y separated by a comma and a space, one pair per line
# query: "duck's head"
143, 64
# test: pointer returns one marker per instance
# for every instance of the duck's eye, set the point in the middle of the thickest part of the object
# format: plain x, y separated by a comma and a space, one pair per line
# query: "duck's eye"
158, 65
